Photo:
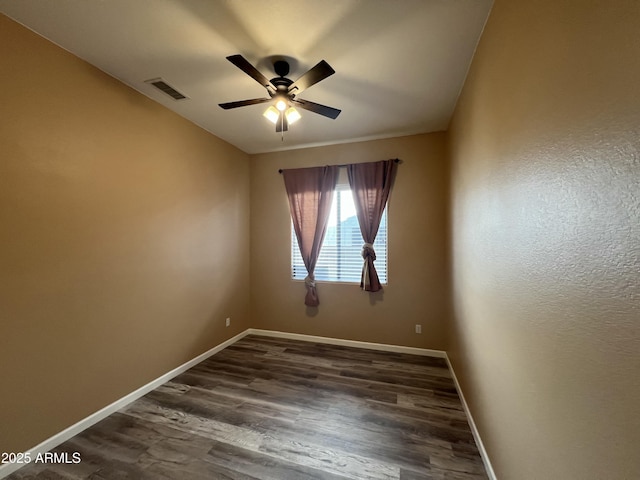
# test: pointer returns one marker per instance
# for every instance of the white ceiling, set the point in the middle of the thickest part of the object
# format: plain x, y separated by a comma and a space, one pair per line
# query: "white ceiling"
400, 64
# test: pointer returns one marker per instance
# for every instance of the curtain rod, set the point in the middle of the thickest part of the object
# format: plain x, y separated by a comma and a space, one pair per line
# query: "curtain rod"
397, 160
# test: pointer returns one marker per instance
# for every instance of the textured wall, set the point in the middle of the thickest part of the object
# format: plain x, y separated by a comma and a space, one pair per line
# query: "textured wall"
123, 239
545, 146
417, 292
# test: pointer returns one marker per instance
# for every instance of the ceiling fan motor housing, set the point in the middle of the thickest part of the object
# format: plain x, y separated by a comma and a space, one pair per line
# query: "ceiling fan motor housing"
281, 84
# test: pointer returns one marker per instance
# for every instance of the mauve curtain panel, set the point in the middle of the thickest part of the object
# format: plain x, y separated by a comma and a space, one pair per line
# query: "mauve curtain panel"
370, 185
310, 193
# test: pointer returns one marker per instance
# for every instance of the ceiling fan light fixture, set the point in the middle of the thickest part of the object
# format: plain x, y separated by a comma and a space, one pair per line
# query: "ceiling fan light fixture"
281, 105
272, 114
292, 115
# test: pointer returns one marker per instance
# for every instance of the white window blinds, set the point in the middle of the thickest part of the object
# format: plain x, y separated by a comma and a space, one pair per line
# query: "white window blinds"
340, 258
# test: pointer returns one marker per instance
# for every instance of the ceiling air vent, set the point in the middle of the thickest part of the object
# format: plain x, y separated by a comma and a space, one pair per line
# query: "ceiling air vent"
163, 86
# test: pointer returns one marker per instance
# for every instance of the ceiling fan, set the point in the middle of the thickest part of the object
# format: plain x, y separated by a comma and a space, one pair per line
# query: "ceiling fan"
284, 91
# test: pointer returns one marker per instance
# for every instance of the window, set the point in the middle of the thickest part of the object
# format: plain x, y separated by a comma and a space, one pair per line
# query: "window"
340, 258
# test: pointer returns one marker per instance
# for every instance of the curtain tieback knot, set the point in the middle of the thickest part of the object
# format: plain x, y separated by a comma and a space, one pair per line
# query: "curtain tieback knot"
309, 281
368, 251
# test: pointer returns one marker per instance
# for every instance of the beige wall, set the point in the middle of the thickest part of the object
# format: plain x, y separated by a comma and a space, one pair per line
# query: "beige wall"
123, 239
417, 292
546, 239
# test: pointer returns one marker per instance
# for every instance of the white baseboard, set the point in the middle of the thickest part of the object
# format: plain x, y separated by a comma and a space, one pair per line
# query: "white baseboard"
476, 435
61, 437
350, 343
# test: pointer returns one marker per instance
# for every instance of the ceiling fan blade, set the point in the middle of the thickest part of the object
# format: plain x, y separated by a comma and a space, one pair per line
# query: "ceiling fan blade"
282, 125
321, 71
317, 108
242, 63
244, 103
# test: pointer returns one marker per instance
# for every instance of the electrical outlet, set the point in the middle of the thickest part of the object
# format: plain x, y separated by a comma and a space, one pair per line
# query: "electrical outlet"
228, 321
418, 328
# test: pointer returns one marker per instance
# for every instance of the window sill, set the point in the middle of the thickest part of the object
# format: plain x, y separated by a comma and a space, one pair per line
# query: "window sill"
331, 282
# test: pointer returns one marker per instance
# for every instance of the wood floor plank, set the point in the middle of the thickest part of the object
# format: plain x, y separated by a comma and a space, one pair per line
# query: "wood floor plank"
263, 466
277, 409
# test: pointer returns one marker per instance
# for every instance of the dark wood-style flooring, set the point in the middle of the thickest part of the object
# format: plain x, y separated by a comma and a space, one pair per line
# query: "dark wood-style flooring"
267, 408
